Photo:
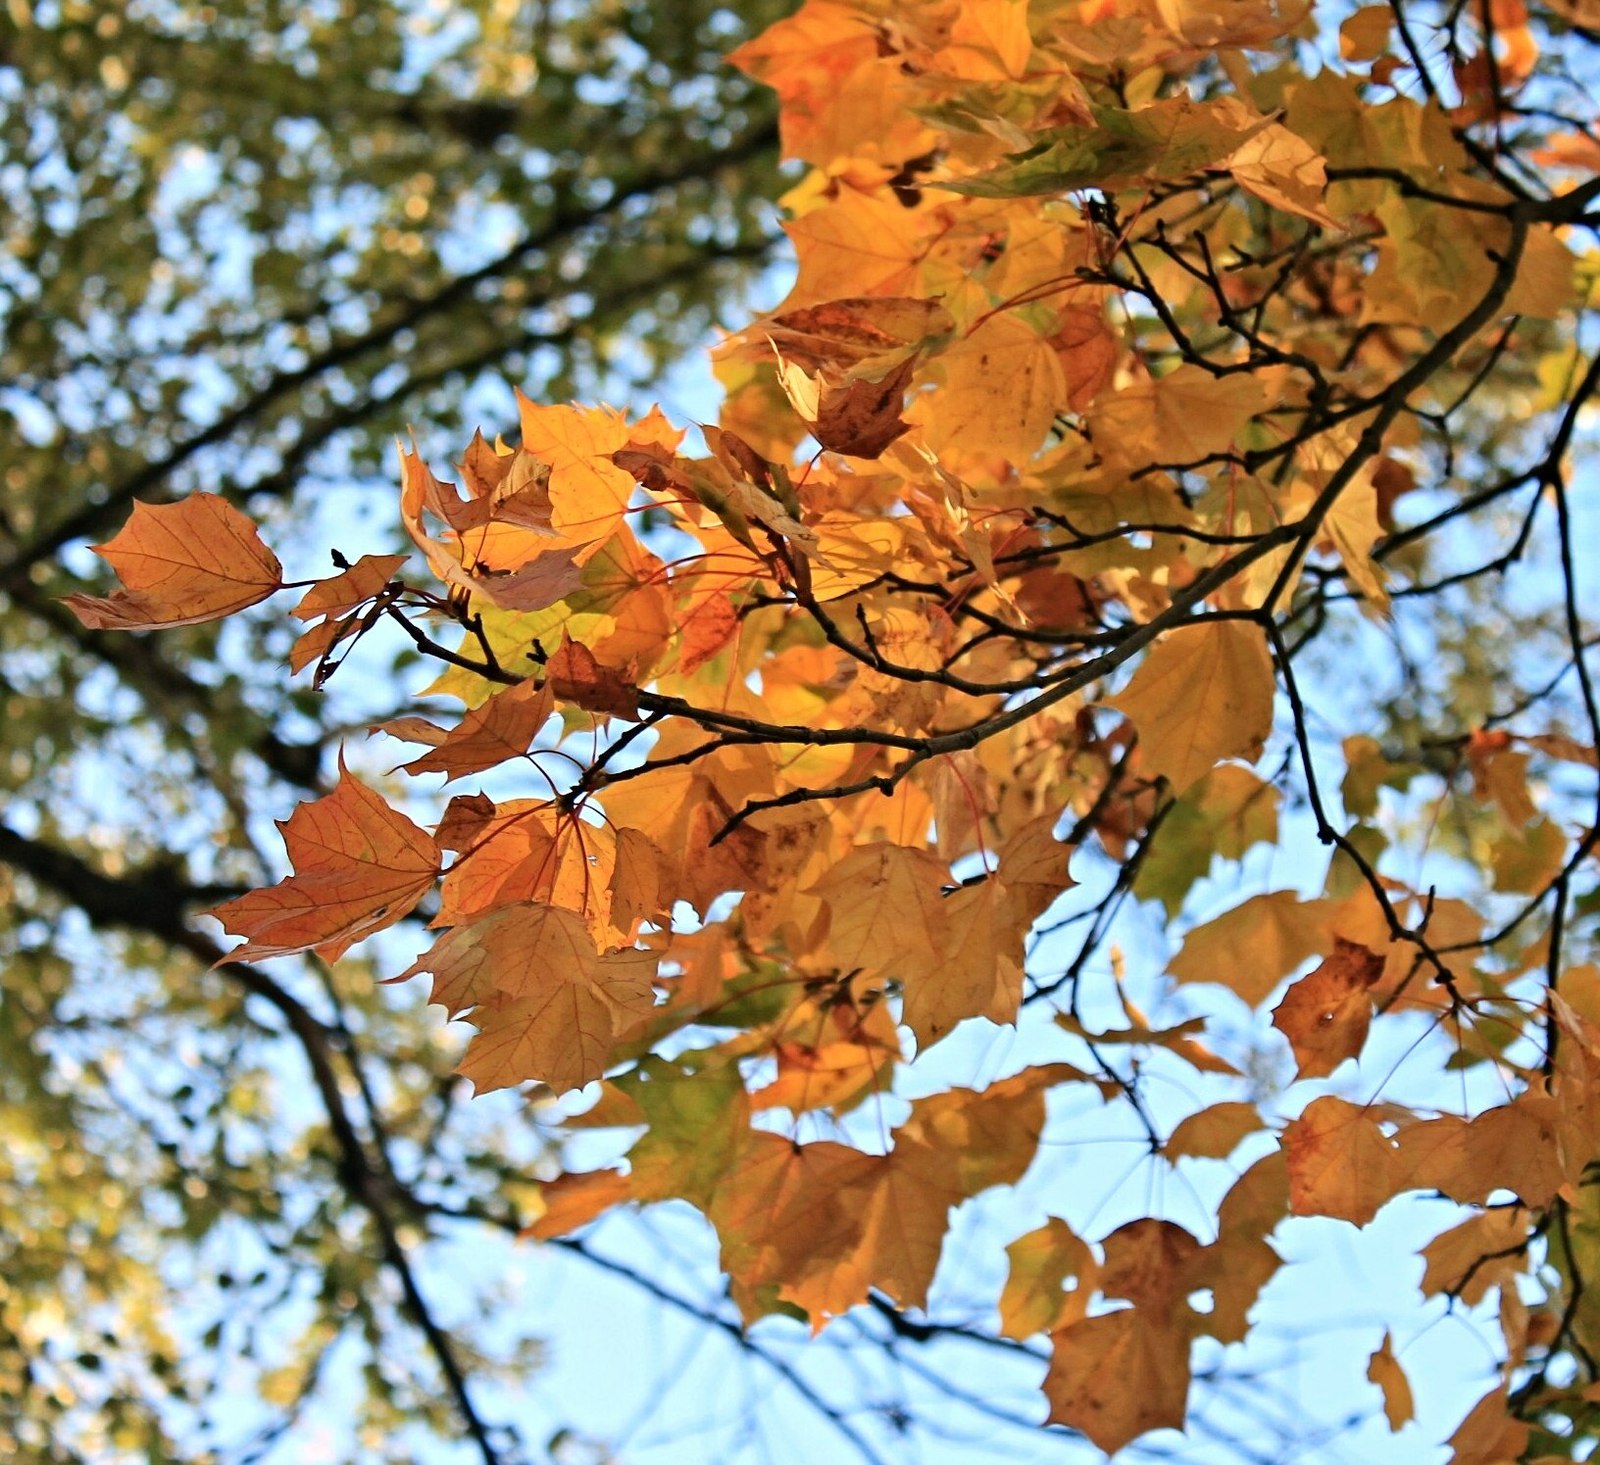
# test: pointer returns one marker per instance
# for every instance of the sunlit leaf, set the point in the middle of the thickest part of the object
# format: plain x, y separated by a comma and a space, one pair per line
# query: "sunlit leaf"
181, 564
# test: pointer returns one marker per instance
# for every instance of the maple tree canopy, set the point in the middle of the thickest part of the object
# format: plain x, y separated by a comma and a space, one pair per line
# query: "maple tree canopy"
1145, 361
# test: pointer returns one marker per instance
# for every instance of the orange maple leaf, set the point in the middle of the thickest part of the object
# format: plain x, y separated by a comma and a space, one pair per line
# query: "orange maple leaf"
572, 1201
359, 866
348, 589
1118, 1375
180, 564
547, 1004
1341, 1163
493, 732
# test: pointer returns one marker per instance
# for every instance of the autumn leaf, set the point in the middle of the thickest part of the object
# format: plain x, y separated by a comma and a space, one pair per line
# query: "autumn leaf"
1364, 36
1384, 1370
639, 880
1148, 1262
548, 1005
350, 588
740, 504
588, 493
510, 487
489, 734
858, 415
1242, 1260
858, 244
1489, 1434
1225, 814
875, 330
810, 58
359, 866
1351, 525
785, 1233
1255, 23
1184, 417
1325, 1015
1252, 947
181, 564
523, 850
1204, 693
1341, 1163
992, 1133
1515, 1147
1480, 1253
1213, 1133
1133, 351
975, 970
1117, 1376
1040, 1263
1003, 384
1284, 170
697, 1116
1166, 139
904, 1206
573, 674
543, 571
886, 906
989, 38
571, 1202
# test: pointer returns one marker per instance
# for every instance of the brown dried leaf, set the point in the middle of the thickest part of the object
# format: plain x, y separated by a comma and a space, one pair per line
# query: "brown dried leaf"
575, 676
1383, 1369
1325, 1015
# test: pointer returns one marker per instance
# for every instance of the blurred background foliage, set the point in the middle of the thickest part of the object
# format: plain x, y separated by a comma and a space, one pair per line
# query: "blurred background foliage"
245, 244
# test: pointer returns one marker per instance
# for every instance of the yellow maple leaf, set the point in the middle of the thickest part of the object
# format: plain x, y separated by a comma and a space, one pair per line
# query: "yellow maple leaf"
588, 492
855, 244
1184, 417
1204, 693
1034, 1299
1254, 946
1002, 387
886, 908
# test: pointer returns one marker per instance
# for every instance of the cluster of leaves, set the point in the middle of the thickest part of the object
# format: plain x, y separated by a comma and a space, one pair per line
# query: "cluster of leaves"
1121, 341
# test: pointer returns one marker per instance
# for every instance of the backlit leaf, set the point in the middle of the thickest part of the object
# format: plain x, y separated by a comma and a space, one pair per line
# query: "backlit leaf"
359, 866
1204, 693
1325, 1015
1341, 1163
1384, 1370
497, 730
1117, 1376
548, 1005
181, 564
